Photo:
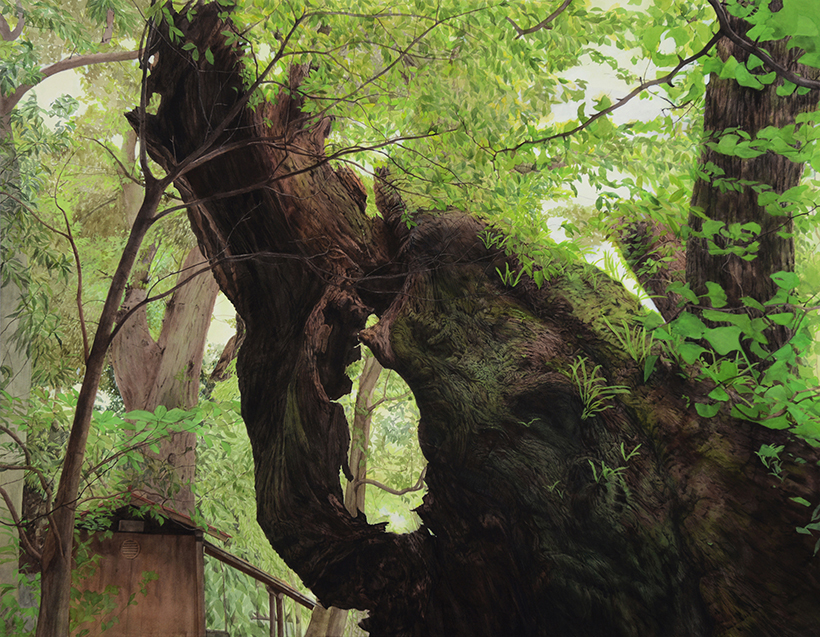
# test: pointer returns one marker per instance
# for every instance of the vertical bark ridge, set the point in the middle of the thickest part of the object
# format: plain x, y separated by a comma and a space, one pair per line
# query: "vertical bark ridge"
730, 106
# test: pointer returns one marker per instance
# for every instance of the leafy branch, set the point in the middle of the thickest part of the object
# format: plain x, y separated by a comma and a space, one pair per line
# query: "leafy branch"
544, 24
752, 49
665, 79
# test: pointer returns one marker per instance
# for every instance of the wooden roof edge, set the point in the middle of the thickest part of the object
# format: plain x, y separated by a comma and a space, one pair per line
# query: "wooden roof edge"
258, 574
138, 499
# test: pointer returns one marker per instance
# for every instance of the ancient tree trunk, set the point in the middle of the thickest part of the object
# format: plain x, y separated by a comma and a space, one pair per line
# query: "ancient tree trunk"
545, 514
166, 372
729, 193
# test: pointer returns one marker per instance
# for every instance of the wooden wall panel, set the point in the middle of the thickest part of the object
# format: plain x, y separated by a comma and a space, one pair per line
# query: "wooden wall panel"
173, 605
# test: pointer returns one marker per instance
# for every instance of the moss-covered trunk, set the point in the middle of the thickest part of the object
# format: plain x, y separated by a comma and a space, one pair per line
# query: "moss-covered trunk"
546, 514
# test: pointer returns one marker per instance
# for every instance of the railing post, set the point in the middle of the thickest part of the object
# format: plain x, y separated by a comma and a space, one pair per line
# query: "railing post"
280, 614
272, 611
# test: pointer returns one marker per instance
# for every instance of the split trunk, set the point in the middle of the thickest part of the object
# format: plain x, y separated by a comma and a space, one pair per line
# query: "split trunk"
535, 521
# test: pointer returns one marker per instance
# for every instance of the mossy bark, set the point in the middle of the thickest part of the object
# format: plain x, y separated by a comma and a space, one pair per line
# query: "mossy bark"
535, 522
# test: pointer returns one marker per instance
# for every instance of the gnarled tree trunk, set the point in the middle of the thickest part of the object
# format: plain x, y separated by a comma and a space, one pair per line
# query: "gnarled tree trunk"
537, 520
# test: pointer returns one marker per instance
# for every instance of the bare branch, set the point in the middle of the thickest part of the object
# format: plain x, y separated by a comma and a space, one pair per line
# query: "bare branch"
416, 487
16, 519
544, 24
123, 170
388, 399
752, 49
79, 296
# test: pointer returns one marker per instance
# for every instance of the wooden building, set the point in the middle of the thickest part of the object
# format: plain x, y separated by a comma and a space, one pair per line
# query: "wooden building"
145, 575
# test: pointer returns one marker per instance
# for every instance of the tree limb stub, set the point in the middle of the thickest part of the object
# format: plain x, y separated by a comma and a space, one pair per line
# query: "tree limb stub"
521, 535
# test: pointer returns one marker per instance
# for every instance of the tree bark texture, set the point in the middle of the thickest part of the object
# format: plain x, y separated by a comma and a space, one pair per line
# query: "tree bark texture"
657, 257
732, 106
166, 372
524, 532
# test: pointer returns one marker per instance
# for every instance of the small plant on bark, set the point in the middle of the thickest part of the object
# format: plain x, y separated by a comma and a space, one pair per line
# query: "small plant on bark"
593, 388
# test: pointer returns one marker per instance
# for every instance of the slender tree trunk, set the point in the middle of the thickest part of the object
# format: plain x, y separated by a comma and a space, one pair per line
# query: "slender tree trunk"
546, 513
57, 552
330, 622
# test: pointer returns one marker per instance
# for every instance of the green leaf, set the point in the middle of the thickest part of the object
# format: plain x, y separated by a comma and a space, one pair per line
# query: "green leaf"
688, 325
744, 78
707, 411
782, 318
649, 366
724, 339
727, 144
716, 295
140, 415
785, 280
690, 352
718, 393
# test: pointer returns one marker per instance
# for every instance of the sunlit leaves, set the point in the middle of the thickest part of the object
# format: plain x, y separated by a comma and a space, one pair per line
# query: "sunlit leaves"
796, 19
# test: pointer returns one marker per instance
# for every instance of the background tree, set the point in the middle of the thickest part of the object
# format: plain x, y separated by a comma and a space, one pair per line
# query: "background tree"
22, 139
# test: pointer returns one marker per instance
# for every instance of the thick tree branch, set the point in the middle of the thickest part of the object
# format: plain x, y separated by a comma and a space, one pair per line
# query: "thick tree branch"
752, 49
77, 61
544, 24
6, 32
67, 64
124, 318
